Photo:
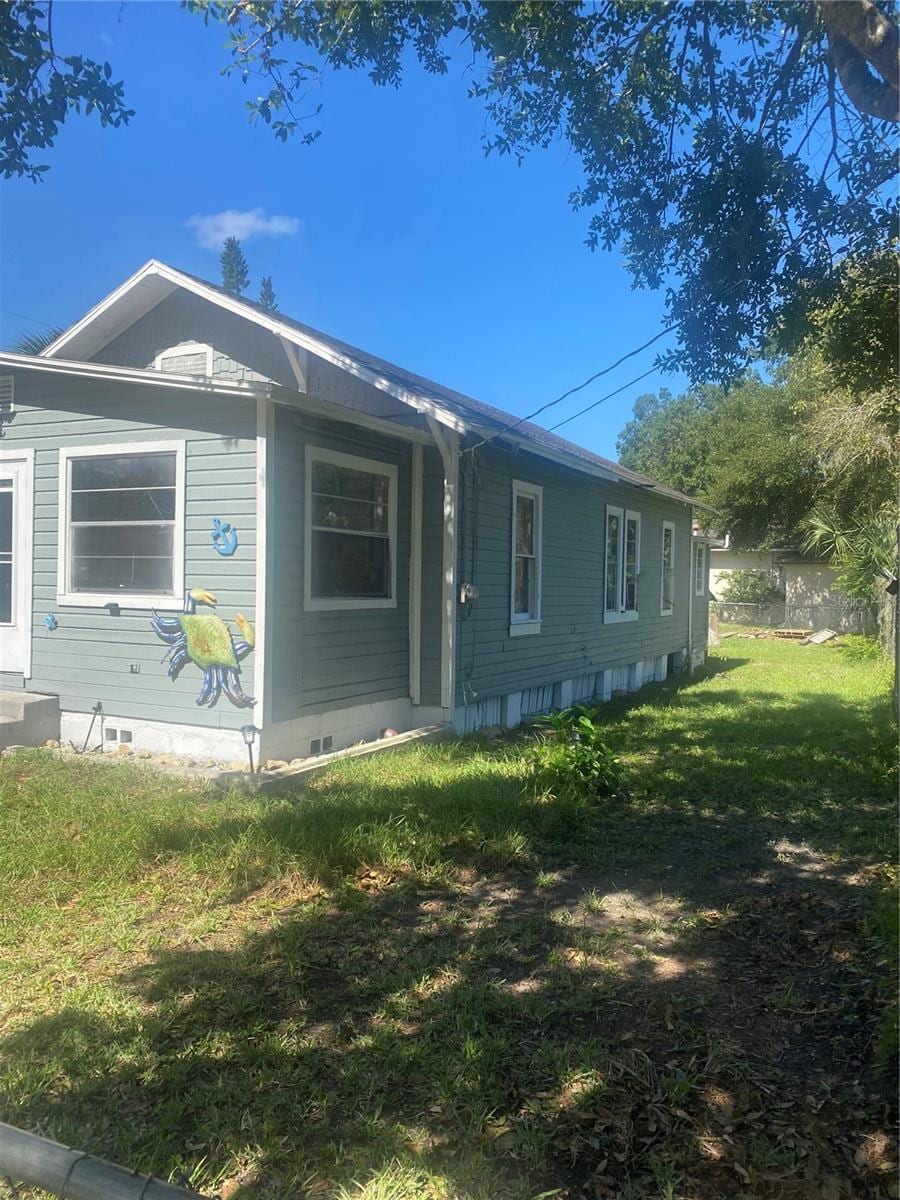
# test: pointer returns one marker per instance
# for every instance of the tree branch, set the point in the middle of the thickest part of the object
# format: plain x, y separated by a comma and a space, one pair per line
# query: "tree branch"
860, 37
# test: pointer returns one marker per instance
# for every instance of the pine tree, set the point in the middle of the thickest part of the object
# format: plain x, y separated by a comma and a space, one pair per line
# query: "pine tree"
235, 274
267, 294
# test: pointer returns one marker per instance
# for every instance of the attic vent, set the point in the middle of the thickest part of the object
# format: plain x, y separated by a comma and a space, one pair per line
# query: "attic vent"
7, 393
189, 358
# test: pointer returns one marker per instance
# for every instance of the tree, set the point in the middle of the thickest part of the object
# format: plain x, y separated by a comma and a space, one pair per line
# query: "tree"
864, 551
743, 451
267, 294
668, 437
733, 151
40, 89
821, 436
37, 342
235, 273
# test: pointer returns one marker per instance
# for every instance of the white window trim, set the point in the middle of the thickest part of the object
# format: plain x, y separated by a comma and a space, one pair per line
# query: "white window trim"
166, 602
373, 466
186, 348
524, 624
663, 610
620, 614
700, 552
23, 556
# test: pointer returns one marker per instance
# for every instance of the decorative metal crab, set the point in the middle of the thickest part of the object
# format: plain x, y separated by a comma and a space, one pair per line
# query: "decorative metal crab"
205, 639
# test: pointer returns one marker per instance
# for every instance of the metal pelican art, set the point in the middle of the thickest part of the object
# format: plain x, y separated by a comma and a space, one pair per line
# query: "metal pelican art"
205, 640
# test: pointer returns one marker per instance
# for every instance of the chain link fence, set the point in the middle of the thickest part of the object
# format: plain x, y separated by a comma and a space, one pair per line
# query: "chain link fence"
852, 616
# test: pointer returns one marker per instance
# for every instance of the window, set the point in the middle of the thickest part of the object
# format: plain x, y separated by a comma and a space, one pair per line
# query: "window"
700, 580
667, 581
351, 531
188, 358
7, 394
622, 564
122, 525
525, 583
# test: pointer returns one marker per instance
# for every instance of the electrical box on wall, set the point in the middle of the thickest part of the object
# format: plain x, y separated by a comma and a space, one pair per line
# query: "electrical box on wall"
467, 592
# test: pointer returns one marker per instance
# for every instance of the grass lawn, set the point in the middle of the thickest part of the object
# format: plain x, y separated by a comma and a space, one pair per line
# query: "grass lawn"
421, 980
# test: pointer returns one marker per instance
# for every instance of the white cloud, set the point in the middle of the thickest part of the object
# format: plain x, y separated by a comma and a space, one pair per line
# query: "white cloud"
213, 228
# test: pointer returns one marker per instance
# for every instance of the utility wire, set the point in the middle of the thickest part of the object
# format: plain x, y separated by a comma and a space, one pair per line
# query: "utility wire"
572, 390
608, 396
631, 353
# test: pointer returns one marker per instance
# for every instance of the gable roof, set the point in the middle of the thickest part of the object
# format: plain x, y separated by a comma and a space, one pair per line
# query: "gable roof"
155, 280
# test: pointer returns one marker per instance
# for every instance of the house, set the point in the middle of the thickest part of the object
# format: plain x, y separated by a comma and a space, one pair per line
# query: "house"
805, 583
322, 545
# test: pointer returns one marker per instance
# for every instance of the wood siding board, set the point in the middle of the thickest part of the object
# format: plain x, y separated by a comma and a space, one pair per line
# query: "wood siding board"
574, 640
332, 659
242, 352
88, 658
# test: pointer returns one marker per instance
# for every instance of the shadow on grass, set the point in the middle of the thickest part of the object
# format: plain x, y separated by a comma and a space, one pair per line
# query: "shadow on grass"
680, 1002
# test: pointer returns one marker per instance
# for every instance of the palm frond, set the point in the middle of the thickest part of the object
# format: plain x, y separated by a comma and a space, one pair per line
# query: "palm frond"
37, 342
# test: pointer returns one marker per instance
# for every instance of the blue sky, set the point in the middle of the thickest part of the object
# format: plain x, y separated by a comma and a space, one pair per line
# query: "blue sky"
409, 242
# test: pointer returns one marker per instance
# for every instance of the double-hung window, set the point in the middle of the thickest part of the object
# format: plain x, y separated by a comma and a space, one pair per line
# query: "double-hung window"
525, 583
350, 531
667, 570
622, 564
700, 581
121, 525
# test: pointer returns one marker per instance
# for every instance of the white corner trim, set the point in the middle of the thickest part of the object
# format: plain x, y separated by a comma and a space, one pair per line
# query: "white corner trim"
524, 628
165, 602
262, 676
415, 579
355, 463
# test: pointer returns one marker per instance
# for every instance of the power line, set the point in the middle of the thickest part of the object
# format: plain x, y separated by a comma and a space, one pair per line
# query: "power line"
609, 395
631, 353
572, 390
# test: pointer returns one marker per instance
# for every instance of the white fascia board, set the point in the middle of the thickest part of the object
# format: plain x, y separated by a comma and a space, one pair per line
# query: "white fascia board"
150, 268
288, 333
278, 328
91, 370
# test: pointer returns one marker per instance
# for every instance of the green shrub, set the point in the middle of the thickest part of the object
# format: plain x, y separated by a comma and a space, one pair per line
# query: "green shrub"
750, 587
859, 647
571, 756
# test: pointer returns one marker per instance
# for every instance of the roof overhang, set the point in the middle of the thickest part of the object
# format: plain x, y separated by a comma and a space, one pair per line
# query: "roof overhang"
142, 291
155, 280
152, 378
206, 385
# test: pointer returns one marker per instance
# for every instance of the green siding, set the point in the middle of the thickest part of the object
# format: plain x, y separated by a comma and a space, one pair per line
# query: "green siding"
327, 660
242, 351
89, 657
574, 639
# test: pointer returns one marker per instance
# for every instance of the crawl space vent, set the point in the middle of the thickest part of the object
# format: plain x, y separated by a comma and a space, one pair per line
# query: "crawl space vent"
7, 393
